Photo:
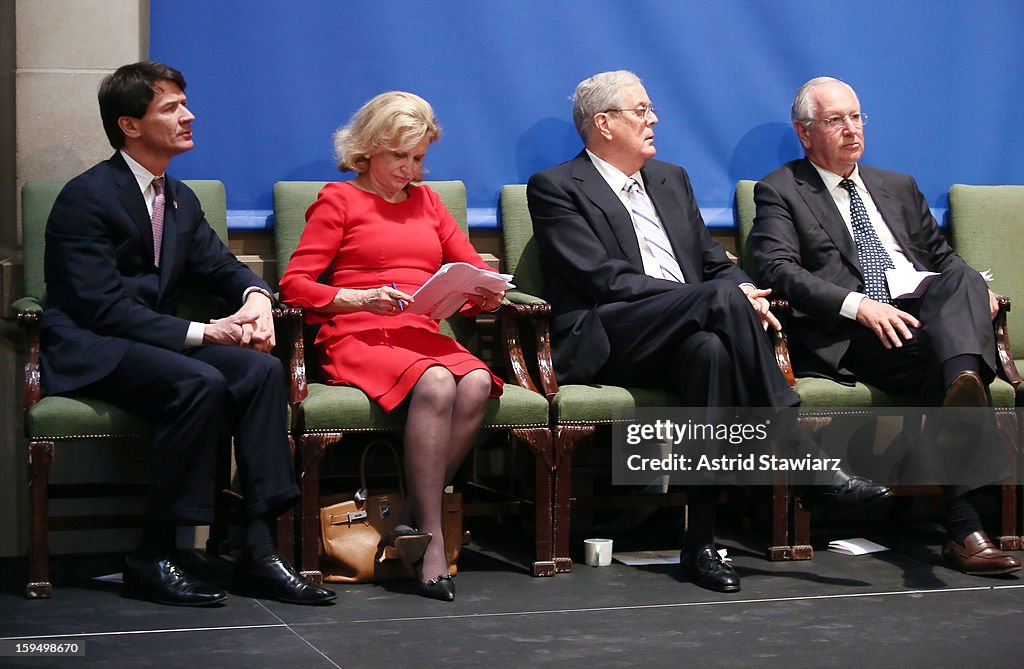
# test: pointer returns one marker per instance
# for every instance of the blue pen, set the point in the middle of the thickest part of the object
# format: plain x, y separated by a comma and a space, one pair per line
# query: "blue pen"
401, 304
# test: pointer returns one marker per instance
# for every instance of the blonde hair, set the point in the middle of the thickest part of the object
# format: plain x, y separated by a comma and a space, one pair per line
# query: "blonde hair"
393, 120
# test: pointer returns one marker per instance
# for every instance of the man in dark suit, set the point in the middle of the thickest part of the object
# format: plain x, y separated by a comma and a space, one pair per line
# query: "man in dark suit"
121, 241
827, 230
641, 295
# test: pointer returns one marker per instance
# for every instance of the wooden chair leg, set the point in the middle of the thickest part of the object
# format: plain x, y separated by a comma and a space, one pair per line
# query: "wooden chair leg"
539, 442
40, 456
567, 439
310, 452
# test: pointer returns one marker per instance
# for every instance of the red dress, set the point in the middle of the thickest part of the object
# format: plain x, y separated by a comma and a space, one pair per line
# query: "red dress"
356, 239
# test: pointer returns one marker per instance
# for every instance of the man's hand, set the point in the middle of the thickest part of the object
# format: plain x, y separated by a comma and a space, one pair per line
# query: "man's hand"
261, 335
758, 300
233, 330
886, 321
993, 304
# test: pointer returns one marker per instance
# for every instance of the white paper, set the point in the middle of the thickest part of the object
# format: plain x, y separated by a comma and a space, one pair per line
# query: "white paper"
110, 578
671, 556
907, 284
444, 293
857, 546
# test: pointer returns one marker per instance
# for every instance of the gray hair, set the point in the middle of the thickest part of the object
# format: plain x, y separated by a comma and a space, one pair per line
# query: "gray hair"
393, 120
803, 109
599, 93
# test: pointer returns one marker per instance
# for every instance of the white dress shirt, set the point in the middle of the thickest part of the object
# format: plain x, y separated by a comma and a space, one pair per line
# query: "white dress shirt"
842, 199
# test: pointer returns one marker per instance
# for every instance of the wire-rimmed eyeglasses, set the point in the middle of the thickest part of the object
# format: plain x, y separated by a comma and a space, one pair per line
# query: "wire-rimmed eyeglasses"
836, 122
643, 111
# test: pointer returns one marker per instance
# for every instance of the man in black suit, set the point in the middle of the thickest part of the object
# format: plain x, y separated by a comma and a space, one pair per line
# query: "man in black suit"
641, 295
827, 229
121, 241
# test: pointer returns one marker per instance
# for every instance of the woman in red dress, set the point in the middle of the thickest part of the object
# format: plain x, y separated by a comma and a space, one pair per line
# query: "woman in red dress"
368, 244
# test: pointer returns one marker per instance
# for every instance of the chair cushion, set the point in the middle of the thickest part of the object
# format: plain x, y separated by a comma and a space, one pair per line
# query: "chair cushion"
598, 403
81, 418
348, 409
822, 393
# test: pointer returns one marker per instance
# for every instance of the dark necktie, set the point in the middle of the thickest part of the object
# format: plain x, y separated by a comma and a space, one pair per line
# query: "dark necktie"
158, 218
872, 255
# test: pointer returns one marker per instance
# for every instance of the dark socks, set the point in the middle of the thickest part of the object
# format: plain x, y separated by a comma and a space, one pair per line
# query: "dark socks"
158, 540
961, 363
961, 519
702, 504
259, 537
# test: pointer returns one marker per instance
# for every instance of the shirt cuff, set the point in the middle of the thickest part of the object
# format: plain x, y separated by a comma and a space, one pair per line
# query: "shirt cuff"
850, 305
256, 289
194, 336
747, 283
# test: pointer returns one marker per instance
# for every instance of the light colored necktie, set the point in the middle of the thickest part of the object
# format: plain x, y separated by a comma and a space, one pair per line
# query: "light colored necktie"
652, 233
158, 218
874, 259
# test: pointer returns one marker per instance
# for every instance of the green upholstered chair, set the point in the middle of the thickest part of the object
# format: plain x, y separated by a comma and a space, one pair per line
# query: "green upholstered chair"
576, 409
324, 414
67, 420
986, 225
819, 397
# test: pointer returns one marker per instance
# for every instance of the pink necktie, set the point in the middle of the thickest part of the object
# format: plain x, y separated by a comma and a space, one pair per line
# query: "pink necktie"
158, 218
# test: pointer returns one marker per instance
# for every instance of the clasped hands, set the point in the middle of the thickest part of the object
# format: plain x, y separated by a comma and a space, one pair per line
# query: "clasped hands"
252, 326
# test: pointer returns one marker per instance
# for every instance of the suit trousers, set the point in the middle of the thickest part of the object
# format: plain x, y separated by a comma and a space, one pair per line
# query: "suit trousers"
703, 342
955, 320
197, 399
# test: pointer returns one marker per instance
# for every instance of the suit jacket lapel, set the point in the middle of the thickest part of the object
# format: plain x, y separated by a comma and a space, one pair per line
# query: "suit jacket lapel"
892, 212
596, 189
819, 200
677, 228
132, 200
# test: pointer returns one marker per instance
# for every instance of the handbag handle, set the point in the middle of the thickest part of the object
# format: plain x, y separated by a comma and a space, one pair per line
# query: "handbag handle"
363, 493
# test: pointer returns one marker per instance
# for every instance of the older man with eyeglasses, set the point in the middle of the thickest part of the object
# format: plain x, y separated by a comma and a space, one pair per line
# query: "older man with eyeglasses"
828, 232
642, 296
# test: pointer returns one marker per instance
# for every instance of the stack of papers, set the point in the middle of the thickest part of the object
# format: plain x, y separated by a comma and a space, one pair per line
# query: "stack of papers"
444, 293
641, 558
855, 546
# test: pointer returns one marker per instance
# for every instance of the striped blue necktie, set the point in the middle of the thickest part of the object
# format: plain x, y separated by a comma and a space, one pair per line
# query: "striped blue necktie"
652, 233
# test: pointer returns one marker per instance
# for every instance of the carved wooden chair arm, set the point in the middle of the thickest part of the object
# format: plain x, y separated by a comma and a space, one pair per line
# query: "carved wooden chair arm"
288, 322
781, 310
29, 312
522, 308
1007, 370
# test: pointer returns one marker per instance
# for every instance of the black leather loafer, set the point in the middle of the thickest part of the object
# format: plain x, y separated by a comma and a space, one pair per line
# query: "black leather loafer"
708, 570
852, 493
164, 582
273, 577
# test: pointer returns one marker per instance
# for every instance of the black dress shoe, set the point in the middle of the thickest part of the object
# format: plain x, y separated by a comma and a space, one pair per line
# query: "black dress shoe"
439, 587
708, 570
273, 577
162, 581
852, 493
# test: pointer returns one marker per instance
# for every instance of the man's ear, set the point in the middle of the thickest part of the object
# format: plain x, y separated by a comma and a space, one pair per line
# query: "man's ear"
129, 126
601, 126
804, 133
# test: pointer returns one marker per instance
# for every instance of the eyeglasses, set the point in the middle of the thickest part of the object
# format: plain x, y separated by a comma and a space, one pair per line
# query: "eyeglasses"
836, 122
642, 111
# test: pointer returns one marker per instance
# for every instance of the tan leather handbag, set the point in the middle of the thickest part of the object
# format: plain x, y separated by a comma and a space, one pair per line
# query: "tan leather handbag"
351, 530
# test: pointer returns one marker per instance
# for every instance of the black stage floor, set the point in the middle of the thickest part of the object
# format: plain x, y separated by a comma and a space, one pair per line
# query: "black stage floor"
899, 608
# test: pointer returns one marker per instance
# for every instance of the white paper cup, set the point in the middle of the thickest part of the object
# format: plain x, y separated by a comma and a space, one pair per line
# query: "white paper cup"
597, 552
